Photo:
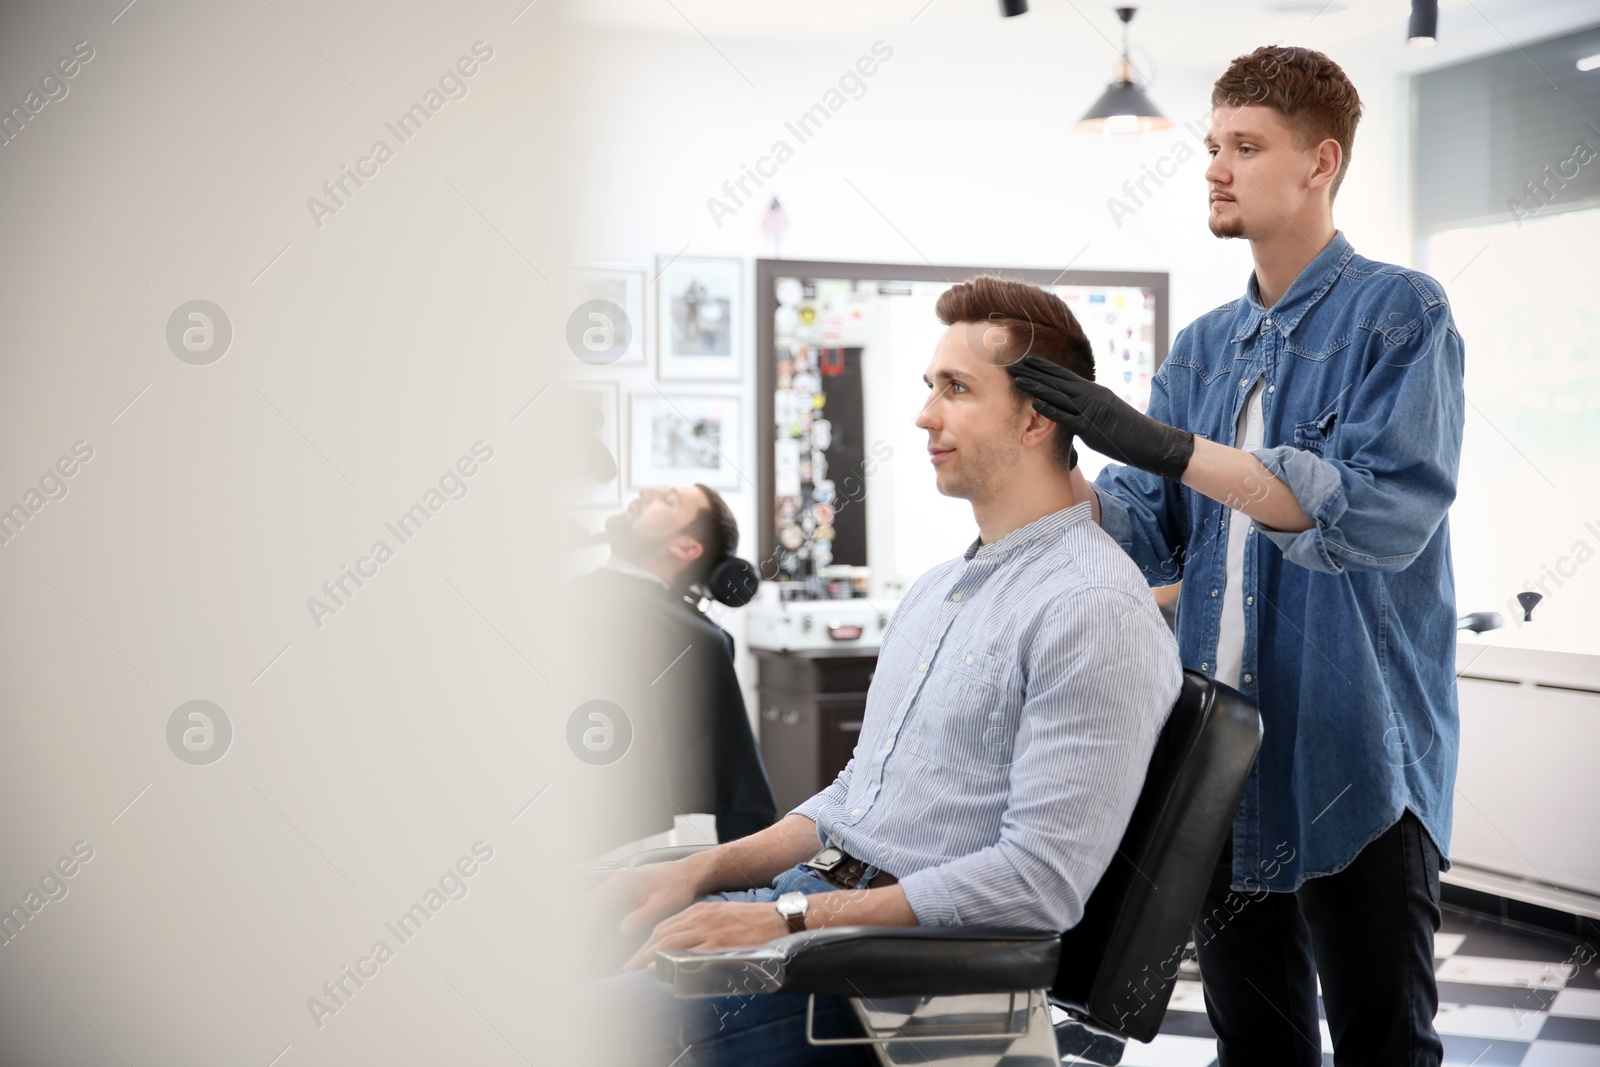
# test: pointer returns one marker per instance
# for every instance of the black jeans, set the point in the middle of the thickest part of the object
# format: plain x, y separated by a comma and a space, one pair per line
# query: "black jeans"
1366, 930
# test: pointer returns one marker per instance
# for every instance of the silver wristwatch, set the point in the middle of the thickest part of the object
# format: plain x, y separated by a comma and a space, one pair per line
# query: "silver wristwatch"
792, 906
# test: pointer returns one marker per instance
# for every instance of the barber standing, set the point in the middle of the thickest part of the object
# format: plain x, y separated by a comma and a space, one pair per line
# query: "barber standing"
1295, 468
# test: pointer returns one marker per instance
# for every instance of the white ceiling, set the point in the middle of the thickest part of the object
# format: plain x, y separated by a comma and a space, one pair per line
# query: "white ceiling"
1202, 34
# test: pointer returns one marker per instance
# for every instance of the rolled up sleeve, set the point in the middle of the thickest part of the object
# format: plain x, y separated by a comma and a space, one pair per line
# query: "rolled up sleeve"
1116, 519
1388, 476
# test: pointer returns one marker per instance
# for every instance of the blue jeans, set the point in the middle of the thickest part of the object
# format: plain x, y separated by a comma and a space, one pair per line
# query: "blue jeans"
765, 1030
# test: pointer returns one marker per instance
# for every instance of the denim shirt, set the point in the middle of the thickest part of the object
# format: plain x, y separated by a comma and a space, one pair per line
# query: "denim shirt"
1349, 646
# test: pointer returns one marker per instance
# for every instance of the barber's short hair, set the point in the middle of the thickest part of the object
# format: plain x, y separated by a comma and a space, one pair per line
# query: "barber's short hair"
1307, 88
1037, 322
717, 531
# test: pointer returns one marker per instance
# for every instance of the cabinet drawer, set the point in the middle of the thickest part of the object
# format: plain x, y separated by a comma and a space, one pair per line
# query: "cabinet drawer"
841, 728
806, 739
815, 674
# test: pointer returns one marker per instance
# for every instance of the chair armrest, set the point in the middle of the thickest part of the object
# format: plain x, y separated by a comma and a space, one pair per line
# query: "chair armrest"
871, 961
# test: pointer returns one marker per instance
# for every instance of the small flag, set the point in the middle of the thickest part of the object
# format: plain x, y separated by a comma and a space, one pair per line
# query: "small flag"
775, 221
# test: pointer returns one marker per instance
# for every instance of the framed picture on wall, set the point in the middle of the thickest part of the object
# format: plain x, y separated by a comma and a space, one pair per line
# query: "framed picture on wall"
596, 445
701, 315
680, 438
606, 324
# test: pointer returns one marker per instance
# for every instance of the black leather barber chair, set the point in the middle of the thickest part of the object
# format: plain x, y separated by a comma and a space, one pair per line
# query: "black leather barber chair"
987, 996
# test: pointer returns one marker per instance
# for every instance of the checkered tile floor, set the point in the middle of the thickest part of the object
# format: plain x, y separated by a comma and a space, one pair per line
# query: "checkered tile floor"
1504, 1001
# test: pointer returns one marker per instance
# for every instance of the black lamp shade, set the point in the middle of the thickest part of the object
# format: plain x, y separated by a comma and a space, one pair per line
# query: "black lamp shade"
1123, 108
1423, 28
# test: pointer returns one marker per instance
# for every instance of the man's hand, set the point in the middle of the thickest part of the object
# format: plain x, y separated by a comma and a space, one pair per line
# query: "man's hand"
1102, 420
712, 924
647, 894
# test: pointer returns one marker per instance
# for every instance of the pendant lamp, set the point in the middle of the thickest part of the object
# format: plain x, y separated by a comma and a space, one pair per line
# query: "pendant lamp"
1124, 108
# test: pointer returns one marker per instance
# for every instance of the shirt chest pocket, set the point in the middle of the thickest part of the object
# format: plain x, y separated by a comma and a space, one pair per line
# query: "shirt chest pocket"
1313, 435
965, 717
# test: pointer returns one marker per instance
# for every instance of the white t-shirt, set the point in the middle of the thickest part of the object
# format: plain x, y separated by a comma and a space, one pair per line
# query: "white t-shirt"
1230, 637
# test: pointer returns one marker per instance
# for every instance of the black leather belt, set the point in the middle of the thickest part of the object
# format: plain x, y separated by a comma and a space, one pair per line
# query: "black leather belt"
839, 868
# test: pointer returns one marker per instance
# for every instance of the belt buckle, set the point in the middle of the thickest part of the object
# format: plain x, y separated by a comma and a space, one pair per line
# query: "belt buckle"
828, 860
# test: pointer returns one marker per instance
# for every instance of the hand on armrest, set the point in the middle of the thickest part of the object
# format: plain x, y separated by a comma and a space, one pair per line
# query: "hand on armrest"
646, 895
642, 896
709, 926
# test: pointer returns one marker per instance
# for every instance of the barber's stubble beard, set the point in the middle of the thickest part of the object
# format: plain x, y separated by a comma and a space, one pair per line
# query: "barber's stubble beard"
1226, 226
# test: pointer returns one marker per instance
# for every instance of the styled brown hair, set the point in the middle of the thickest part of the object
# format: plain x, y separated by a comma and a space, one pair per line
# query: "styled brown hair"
1307, 88
1037, 322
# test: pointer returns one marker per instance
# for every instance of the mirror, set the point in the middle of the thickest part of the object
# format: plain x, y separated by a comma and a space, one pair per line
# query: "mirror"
841, 348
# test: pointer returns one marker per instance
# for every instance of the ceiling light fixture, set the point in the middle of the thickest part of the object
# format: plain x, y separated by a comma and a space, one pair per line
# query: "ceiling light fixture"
1423, 29
1124, 108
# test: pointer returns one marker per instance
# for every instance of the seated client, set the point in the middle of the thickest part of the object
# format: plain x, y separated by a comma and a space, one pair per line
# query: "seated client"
1019, 693
693, 748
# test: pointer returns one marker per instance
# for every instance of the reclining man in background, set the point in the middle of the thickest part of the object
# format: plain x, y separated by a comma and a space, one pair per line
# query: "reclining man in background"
1019, 693
694, 746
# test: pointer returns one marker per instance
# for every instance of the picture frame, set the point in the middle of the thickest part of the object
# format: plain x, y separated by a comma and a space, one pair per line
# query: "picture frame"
701, 316
591, 341
595, 409
679, 438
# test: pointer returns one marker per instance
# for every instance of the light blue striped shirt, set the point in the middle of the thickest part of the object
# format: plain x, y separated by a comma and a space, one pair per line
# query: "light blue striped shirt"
1017, 699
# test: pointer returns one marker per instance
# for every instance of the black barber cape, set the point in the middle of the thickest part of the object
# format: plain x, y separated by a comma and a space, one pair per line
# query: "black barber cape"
693, 749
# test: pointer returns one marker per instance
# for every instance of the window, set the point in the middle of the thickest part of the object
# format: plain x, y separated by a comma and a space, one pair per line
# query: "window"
1507, 194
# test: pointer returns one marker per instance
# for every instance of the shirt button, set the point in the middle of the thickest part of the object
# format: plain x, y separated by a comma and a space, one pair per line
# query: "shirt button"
1249, 600
1270, 388
1205, 666
855, 811
955, 596
1267, 321
1249, 678
1213, 592
1243, 382
969, 661
889, 743
922, 666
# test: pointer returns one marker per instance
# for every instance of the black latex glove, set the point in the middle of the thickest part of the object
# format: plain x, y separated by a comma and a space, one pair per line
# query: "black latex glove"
1102, 420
